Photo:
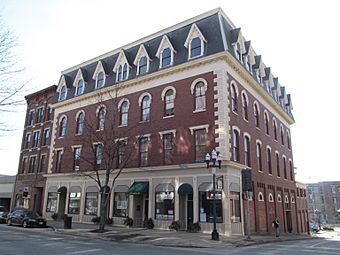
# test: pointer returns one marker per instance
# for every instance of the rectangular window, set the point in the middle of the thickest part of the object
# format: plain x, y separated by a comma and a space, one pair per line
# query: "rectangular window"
259, 157
200, 144
51, 202
235, 146
46, 136
42, 163
74, 203
36, 138
49, 113
121, 153
39, 115
168, 148
278, 166
206, 206
91, 203
269, 161
99, 154
246, 151
235, 207
32, 165
28, 140
143, 151
23, 165
284, 168
76, 158
31, 118
120, 207
59, 157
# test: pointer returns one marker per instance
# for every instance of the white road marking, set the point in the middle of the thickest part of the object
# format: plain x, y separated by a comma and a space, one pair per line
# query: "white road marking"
85, 251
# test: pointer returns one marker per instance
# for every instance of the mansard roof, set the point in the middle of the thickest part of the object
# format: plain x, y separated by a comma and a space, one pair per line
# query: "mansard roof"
219, 33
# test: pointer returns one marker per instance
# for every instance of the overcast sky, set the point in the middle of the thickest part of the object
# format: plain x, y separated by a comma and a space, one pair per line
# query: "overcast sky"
299, 40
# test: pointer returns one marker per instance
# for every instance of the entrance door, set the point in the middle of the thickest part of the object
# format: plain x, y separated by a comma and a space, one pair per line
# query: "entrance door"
138, 216
62, 191
190, 211
146, 208
289, 221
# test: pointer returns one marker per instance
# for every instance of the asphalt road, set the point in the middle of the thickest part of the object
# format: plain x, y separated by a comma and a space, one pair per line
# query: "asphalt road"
20, 241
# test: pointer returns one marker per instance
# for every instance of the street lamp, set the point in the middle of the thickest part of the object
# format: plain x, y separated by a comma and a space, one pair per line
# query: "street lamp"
215, 156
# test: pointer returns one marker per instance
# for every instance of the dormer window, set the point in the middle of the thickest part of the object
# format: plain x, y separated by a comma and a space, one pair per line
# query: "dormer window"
80, 88
196, 47
259, 78
195, 42
62, 94
100, 80
121, 67
142, 65
166, 57
238, 52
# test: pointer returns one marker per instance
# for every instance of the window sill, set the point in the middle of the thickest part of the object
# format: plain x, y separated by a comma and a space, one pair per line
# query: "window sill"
199, 110
258, 128
236, 113
191, 58
260, 171
246, 120
167, 117
144, 121
122, 126
78, 134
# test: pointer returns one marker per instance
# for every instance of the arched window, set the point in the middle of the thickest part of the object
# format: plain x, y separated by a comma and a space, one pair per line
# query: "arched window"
284, 168
259, 156
260, 197
288, 140
256, 116
169, 103
146, 103
80, 87
270, 197
275, 130
63, 125
246, 151
269, 161
100, 80
166, 57
233, 99
62, 94
291, 170
80, 124
101, 118
195, 47
277, 165
142, 65
236, 145
244, 107
199, 96
279, 199
124, 113
282, 136
120, 73
266, 123
125, 71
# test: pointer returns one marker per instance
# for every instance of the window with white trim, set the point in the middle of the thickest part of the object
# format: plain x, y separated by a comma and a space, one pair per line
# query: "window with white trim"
260, 196
196, 48
124, 113
80, 87
80, 124
145, 109
100, 82
166, 57
62, 93
200, 99
169, 103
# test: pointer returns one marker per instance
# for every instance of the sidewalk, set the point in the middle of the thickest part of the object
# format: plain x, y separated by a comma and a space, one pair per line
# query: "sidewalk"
166, 237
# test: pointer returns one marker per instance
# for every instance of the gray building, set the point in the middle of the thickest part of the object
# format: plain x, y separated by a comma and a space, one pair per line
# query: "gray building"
6, 190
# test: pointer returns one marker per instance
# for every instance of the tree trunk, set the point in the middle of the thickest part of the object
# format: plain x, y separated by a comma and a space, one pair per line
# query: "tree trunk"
103, 210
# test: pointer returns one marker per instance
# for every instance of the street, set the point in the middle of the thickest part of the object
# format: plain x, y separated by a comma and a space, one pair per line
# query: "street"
20, 241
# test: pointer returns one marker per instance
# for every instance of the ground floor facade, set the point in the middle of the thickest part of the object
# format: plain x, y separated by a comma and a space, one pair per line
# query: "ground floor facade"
182, 193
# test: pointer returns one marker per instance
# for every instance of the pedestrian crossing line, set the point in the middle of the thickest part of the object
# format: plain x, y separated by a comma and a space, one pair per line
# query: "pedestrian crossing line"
84, 251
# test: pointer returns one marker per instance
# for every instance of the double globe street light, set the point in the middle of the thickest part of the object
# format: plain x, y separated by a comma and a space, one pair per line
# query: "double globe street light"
215, 157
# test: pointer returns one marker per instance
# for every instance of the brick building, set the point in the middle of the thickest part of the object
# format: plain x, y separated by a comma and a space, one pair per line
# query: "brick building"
30, 183
186, 90
324, 202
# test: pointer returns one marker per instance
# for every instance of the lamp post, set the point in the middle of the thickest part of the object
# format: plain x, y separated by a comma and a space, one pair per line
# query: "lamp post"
215, 156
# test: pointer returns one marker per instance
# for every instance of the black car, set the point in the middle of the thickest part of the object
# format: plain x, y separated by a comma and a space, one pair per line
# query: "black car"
3, 216
26, 219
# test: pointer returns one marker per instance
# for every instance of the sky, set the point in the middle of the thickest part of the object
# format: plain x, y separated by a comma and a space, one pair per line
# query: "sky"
297, 39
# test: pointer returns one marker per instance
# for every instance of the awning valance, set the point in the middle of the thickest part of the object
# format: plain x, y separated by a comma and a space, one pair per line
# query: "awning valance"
139, 188
184, 189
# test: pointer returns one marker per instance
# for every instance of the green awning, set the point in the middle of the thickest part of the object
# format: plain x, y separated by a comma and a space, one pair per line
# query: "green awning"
184, 189
139, 188
62, 189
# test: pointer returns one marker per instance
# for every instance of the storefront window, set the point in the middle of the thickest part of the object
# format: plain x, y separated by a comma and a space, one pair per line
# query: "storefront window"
206, 204
91, 203
235, 207
120, 204
52, 202
74, 201
165, 205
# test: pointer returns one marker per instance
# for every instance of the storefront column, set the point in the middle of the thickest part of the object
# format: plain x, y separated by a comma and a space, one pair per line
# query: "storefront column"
111, 202
67, 198
131, 203
176, 199
226, 205
82, 202
196, 199
151, 200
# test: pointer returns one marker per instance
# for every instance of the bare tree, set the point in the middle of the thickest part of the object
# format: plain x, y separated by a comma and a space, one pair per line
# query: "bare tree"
105, 151
11, 88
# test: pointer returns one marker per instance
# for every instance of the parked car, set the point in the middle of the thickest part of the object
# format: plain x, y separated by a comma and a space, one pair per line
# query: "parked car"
26, 219
3, 215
